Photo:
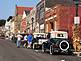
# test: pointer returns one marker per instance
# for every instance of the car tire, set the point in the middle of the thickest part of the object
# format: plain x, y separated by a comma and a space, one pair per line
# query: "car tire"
61, 45
51, 50
34, 46
43, 49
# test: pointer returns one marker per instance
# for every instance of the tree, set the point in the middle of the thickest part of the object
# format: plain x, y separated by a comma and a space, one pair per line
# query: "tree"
2, 22
10, 17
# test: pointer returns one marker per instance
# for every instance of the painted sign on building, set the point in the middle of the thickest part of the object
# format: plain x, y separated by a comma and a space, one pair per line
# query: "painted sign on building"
23, 24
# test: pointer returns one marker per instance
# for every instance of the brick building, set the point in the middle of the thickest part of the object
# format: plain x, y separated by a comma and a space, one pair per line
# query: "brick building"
61, 17
41, 7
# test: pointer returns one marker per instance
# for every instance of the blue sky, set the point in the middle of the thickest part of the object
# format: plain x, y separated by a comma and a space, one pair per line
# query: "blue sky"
7, 7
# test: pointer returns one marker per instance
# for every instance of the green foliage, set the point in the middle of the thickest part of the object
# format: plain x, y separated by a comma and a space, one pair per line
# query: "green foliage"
2, 22
10, 17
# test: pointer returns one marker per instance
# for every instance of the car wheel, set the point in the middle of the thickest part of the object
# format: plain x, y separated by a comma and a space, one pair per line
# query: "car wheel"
34, 46
51, 50
64, 45
43, 49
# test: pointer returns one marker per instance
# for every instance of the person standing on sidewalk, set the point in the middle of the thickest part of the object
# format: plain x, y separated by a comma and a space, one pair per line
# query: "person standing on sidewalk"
30, 38
25, 41
18, 40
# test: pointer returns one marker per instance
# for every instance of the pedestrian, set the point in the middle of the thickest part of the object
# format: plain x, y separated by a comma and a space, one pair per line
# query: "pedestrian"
18, 40
13, 37
25, 41
30, 38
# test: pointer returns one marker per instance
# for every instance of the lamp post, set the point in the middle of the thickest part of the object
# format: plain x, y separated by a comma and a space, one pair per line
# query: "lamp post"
76, 3
32, 23
76, 18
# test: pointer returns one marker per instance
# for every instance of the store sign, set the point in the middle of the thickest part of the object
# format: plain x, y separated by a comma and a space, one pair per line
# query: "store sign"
76, 20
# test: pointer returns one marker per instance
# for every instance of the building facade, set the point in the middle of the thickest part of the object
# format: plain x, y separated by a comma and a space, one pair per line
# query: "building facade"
31, 21
9, 27
61, 17
40, 11
41, 7
18, 18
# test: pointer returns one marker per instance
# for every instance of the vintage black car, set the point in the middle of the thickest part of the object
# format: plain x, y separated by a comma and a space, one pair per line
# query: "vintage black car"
58, 42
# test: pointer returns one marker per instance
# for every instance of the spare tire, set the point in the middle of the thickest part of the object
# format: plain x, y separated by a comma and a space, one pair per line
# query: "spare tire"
64, 45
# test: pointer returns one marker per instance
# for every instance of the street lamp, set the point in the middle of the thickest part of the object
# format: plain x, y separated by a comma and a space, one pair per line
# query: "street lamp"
76, 18
76, 3
32, 23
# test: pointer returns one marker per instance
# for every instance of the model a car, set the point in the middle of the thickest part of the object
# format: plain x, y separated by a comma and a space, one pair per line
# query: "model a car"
58, 42
38, 39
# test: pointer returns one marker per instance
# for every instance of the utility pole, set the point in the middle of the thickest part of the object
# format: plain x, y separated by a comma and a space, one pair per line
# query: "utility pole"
76, 4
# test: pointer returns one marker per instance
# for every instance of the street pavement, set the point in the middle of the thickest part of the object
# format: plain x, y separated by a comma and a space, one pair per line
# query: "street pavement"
9, 52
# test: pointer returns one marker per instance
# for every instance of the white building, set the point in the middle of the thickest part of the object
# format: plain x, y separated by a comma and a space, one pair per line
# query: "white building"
9, 27
31, 21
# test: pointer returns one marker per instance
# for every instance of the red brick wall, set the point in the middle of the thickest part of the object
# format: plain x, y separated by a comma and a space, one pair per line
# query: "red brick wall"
20, 9
65, 18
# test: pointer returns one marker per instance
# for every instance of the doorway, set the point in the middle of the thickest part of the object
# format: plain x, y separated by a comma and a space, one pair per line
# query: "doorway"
52, 27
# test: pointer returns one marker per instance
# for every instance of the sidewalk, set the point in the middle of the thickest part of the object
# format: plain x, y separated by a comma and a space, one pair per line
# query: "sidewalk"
77, 53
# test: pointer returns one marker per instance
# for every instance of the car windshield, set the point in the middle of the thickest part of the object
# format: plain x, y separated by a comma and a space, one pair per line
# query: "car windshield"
60, 35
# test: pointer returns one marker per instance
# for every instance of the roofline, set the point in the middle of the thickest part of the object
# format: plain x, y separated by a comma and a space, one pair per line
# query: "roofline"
24, 7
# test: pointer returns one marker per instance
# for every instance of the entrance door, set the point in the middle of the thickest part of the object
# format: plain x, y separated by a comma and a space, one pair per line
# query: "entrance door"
52, 25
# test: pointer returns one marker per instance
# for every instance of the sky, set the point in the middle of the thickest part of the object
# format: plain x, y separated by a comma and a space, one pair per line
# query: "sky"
7, 7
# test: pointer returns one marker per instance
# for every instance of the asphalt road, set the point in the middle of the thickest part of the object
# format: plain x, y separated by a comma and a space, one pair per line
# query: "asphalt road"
9, 52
